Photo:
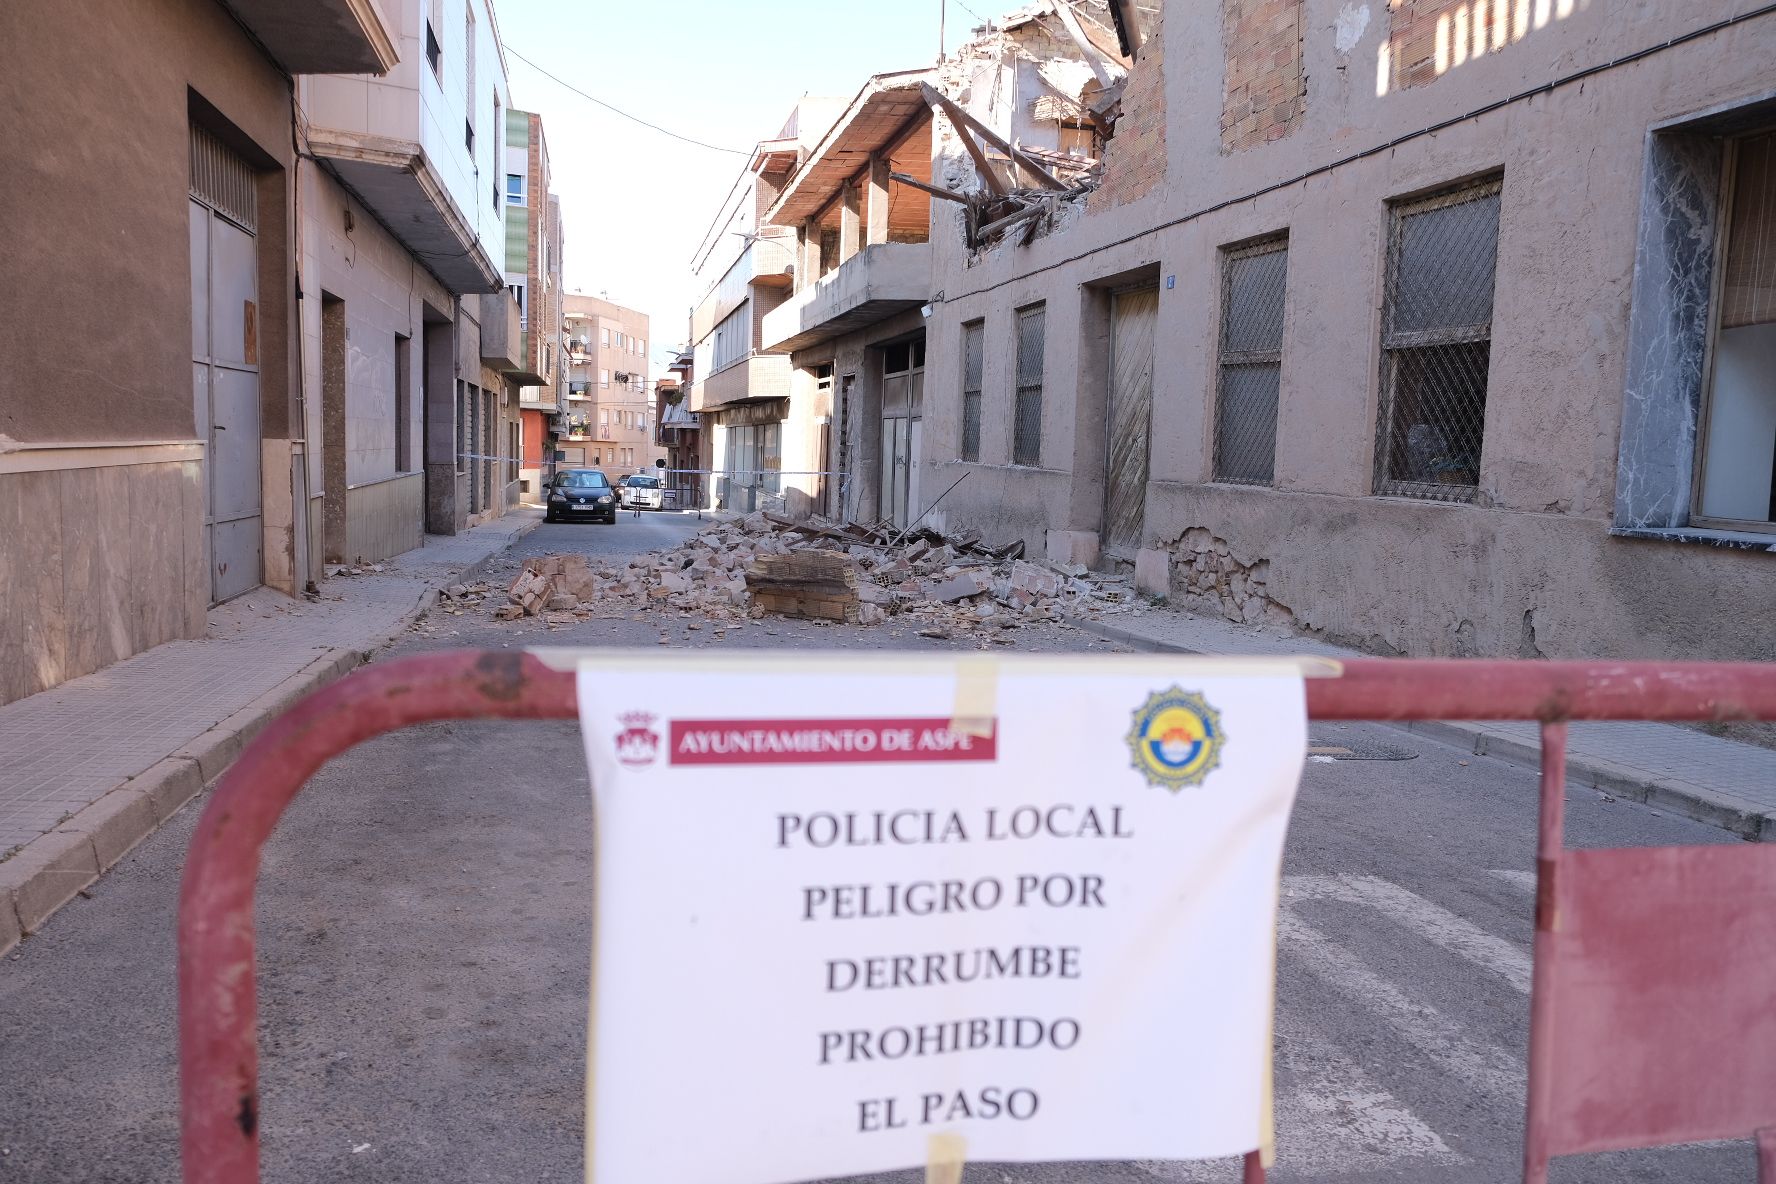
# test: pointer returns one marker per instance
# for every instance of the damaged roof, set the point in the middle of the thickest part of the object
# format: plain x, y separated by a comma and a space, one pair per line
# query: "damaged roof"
873, 121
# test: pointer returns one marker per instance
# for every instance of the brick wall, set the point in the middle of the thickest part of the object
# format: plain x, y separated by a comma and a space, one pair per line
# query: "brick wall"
536, 307
1427, 37
1135, 157
1265, 89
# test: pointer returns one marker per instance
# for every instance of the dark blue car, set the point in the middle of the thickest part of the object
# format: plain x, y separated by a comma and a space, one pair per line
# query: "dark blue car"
581, 493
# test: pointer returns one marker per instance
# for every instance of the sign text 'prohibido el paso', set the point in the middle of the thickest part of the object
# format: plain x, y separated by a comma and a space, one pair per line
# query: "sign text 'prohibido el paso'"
844, 906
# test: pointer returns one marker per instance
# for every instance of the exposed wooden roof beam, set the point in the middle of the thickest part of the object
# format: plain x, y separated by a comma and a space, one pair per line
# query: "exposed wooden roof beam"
1128, 26
933, 190
1104, 40
1070, 23
965, 123
962, 120
1010, 220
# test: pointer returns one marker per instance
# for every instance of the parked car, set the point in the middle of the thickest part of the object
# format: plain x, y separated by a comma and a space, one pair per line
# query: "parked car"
641, 492
578, 493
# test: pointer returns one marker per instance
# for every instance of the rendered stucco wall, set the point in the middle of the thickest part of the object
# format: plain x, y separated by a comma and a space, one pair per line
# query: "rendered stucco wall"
1530, 566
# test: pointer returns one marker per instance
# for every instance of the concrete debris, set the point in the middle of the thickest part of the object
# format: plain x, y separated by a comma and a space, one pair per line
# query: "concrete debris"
946, 586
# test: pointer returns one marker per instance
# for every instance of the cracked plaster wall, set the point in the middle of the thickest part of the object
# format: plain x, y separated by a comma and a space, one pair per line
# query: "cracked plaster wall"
1393, 574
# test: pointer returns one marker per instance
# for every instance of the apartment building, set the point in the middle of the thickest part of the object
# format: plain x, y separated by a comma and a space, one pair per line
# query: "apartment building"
743, 269
315, 199
405, 331
610, 397
533, 274
161, 188
1434, 328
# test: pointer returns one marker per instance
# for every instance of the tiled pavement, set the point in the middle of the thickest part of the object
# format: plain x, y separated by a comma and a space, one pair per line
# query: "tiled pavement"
63, 749
1718, 781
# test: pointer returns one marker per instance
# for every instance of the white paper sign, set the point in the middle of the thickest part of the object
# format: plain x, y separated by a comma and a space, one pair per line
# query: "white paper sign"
830, 925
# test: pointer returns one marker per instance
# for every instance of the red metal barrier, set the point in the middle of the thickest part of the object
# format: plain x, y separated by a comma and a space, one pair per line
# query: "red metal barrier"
1591, 947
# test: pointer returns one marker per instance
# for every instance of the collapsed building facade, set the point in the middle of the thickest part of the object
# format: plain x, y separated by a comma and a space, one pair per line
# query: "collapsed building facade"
1434, 328
818, 272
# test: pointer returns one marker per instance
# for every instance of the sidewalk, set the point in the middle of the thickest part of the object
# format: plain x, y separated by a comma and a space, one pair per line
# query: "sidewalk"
97, 764
1720, 782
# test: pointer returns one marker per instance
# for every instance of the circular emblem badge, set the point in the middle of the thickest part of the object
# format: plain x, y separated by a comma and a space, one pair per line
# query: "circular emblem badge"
1175, 739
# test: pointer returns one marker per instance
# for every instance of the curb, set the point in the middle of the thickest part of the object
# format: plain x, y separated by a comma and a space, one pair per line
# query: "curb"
1749, 820
55, 868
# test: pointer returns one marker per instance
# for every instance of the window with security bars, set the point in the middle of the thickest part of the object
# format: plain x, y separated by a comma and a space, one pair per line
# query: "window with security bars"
974, 361
1026, 434
1436, 340
1253, 279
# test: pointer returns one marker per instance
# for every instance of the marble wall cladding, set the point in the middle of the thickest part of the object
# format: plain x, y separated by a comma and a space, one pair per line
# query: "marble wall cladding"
33, 608
194, 547
98, 564
1668, 330
156, 554
96, 533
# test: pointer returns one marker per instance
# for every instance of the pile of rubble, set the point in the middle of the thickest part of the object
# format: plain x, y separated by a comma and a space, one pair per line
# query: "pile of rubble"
748, 567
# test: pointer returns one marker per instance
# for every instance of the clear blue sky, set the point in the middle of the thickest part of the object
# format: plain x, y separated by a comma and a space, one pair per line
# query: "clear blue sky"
636, 203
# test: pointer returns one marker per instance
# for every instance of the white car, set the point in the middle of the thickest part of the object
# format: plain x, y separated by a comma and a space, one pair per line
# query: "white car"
641, 492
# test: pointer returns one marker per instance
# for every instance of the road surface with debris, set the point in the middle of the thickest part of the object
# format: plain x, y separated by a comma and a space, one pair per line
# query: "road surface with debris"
424, 921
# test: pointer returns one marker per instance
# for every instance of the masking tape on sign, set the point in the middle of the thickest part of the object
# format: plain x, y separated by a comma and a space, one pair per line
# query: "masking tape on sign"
977, 697
944, 1157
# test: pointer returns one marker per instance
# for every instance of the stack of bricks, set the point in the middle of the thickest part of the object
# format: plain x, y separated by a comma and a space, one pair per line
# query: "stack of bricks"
818, 584
1266, 88
1135, 157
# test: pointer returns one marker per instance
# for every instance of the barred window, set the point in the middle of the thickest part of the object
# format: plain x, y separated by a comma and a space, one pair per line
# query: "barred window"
1253, 279
974, 359
1026, 436
1436, 341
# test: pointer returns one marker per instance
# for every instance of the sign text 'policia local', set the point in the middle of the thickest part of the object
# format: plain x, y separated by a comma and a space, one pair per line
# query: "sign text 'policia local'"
829, 934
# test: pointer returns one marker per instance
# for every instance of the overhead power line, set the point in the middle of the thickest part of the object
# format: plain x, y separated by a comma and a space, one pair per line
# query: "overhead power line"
618, 110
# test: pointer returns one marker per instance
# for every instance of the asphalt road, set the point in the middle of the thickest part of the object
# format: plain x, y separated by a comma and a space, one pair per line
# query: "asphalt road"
424, 929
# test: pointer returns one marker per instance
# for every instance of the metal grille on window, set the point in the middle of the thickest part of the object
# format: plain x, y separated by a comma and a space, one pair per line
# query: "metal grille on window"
974, 356
1436, 341
222, 180
1026, 438
1253, 280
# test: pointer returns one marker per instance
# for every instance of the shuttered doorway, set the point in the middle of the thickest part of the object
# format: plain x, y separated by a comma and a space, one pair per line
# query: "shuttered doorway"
225, 361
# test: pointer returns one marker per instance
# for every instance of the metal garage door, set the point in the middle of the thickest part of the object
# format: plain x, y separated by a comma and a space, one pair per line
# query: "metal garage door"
225, 361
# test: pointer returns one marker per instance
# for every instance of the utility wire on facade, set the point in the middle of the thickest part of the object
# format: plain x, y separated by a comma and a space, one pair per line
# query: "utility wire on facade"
626, 115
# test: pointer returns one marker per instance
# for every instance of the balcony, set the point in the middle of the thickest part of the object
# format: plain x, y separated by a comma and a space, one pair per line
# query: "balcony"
397, 143
322, 36
502, 333
871, 286
540, 398
760, 376
397, 181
